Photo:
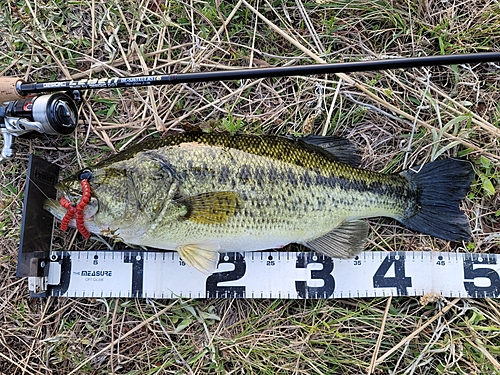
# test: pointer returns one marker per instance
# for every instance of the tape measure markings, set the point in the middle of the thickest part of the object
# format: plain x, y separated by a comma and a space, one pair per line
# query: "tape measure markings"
274, 275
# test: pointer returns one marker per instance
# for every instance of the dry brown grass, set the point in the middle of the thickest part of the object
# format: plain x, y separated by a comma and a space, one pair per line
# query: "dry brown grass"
376, 110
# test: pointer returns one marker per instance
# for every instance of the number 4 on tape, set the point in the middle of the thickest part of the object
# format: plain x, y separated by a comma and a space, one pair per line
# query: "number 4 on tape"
399, 281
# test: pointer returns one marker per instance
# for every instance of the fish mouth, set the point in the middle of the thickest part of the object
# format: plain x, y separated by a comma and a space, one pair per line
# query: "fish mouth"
72, 191
68, 191
58, 211
54, 207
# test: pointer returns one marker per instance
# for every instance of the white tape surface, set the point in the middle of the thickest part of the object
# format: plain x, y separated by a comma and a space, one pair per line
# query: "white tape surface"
275, 275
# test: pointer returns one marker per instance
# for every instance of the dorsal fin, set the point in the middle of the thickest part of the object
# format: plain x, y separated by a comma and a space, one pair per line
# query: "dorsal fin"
340, 148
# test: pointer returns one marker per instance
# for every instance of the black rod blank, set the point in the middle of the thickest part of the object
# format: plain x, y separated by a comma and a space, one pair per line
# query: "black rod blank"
254, 73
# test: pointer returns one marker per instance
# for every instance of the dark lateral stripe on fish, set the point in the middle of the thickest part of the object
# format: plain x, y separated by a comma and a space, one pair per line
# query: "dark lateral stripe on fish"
384, 185
375, 186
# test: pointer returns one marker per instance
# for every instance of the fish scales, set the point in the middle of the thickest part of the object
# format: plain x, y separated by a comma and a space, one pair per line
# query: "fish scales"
284, 191
205, 193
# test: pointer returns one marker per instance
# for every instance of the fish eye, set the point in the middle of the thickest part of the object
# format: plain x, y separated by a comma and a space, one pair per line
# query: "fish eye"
85, 174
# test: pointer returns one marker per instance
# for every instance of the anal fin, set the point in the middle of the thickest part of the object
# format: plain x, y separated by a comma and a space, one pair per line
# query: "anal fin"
345, 241
203, 258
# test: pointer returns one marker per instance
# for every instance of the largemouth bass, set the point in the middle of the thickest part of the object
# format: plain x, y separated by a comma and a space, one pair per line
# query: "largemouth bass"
205, 193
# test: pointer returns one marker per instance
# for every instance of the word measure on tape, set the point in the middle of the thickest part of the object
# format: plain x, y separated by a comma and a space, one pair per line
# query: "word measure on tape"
287, 275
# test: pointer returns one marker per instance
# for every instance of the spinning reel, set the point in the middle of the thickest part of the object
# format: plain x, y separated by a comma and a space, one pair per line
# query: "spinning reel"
51, 114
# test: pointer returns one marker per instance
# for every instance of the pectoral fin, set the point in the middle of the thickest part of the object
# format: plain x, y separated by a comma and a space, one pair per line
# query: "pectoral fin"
203, 258
345, 241
210, 208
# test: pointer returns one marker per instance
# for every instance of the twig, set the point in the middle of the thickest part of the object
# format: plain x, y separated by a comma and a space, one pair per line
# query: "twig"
416, 332
413, 128
371, 369
485, 352
310, 26
332, 107
112, 343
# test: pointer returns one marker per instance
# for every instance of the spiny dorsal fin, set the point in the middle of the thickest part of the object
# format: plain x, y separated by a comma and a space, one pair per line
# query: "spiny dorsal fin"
340, 148
210, 208
202, 257
345, 241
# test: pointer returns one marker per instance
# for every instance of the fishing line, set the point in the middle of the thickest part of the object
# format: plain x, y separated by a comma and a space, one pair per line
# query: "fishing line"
37, 186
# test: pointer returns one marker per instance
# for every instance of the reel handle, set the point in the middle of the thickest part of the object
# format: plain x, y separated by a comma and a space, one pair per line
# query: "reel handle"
10, 89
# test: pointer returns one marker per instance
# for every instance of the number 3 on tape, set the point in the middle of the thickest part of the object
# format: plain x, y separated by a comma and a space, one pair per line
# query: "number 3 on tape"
325, 274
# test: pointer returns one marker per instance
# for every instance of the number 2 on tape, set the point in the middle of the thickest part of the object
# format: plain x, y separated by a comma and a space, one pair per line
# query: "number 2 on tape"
213, 289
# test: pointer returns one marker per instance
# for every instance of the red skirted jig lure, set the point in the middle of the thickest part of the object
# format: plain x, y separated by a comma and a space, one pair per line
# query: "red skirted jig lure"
77, 209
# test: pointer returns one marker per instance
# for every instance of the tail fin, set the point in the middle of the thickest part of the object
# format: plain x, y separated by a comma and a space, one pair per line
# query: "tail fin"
440, 186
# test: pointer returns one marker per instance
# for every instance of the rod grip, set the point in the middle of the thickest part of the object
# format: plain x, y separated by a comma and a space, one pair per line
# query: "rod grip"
8, 90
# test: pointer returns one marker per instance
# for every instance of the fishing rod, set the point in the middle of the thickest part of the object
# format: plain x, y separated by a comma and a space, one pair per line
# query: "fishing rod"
14, 88
57, 113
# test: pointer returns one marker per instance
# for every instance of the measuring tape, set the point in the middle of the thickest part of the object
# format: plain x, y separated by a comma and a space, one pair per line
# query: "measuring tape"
287, 275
